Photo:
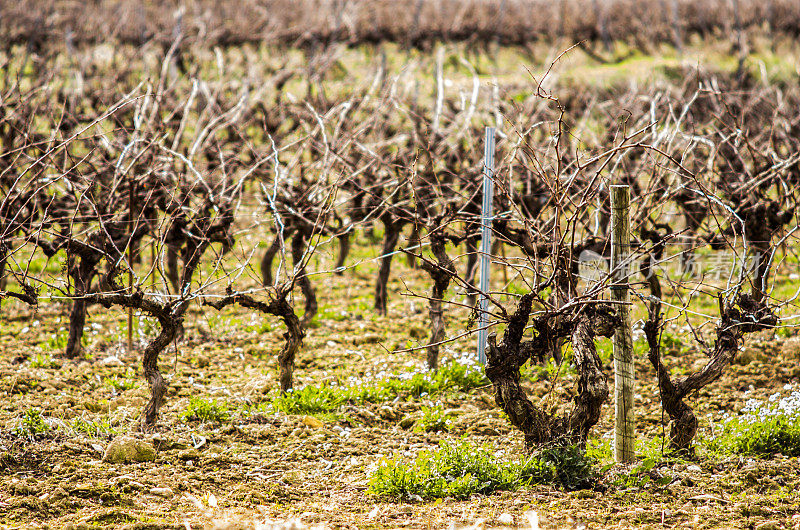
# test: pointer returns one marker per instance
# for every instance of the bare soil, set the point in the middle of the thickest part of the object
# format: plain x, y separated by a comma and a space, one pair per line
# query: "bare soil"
265, 466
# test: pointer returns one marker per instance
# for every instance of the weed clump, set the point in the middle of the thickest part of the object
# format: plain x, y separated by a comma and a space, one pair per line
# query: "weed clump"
206, 411
310, 400
461, 469
764, 428
328, 398
92, 428
43, 361
32, 424
119, 384
434, 419
572, 468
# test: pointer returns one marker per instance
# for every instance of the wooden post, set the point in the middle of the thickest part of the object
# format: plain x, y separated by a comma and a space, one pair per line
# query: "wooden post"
624, 374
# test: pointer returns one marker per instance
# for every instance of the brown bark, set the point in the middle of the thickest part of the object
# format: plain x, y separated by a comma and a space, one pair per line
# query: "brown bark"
503, 362
280, 307
28, 295
298, 246
390, 238
268, 258
471, 250
169, 316
746, 315
344, 251
82, 273
173, 272
158, 387
413, 240
440, 273
77, 321
580, 327
598, 320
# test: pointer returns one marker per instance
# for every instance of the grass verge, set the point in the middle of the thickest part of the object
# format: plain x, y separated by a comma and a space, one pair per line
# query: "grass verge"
461, 469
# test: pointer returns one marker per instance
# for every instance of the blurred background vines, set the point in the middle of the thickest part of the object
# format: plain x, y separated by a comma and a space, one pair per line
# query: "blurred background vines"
216, 216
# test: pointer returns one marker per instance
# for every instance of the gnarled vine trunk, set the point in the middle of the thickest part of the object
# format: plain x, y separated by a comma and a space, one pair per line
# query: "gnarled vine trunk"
298, 247
280, 307
390, 238
158, 387
580, 326
440, 273
745, 315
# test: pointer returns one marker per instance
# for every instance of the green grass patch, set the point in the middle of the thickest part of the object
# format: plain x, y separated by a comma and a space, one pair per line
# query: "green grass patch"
43, 361
119, 384
311, 400
434, 419
206, 410
92, 428
461, 469
32, 423
764, 428
328, 398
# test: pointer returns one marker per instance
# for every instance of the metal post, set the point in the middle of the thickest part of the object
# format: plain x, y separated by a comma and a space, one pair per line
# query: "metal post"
486, 242
130, 260
624, 374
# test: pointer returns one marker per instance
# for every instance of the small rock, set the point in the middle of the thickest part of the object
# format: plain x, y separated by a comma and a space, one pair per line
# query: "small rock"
211, 500
59, 493
312, 422
202, 361
189, 454
193, 500
82, 490
418, 332
368, 415
694, 469
387, 413
768, 525
124, 449
367, 338
112, 360
133, 486
172, 444
91, 405
506, 519
162, 492
409, 420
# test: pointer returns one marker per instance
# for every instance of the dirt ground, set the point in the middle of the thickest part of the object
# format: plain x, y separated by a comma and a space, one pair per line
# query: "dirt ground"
258, 469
